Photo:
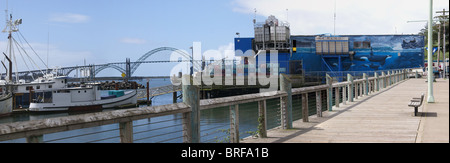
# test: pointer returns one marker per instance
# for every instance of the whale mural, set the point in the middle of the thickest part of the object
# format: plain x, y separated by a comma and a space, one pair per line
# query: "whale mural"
368, 53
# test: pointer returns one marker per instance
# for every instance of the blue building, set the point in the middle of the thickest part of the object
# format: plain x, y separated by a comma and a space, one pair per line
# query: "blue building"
310, 53
307, 56
358, 52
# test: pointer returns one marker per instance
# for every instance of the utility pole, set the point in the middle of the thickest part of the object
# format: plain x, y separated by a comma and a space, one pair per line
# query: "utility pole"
430, 55
445, 20
439, 46
334, 27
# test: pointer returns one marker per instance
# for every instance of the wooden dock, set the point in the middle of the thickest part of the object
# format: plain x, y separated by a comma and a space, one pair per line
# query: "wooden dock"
158, 91
382, 117
377, 111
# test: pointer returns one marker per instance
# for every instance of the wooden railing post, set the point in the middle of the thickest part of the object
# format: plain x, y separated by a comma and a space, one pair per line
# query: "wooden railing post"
405, 74
390, 78
191, 98
286, 102
350, 88
186, 125
319, 103
262, 112
366, 84
337, 96
383, 75
377, 82
329, 92
35, 139
234, 124
361, 88
344, 95
400, 75
395, 76
305, 113
126, 132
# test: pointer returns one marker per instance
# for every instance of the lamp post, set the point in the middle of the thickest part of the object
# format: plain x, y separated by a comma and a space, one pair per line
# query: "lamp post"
445, 20
430, 55
192, 61
438, 23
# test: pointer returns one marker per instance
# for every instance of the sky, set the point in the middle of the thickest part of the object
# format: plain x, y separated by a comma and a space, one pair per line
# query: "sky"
104, 31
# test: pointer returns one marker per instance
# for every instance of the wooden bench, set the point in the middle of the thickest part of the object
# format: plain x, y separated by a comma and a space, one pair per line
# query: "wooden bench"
416, 103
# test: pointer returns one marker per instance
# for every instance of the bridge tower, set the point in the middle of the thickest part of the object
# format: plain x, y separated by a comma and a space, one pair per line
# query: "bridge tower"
128, 69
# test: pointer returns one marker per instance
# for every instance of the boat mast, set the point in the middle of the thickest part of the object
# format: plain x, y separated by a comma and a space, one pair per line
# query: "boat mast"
10, 50
10, 28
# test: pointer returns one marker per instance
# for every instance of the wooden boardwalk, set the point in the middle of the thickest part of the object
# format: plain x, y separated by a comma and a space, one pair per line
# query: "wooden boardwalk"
158, 91
382, 117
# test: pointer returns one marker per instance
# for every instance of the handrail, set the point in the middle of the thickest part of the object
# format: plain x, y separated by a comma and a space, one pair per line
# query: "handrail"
59, 124
37, 128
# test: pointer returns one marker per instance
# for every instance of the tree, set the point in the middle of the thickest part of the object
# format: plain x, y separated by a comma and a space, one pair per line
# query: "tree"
424, 32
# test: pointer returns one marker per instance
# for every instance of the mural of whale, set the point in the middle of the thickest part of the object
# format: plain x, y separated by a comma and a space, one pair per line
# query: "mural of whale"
345, 65
372, 58
373, 66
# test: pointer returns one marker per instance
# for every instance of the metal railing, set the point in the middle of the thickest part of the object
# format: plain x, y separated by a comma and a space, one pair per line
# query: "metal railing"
182, 122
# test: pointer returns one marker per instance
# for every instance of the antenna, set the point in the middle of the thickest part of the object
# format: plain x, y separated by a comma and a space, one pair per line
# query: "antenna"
254, 18
48, 44
6, 13
287, 15
334, 27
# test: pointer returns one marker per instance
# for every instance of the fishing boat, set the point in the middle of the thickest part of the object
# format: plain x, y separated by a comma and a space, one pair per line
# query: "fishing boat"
24, 92
50, 92
83, 98
5, 104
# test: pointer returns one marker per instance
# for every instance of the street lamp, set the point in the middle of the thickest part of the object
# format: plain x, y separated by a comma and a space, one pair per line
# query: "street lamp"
430, 54
192, 61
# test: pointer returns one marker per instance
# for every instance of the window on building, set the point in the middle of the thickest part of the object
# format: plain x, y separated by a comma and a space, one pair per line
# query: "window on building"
362, 45
357, 45
295, 67
366, 45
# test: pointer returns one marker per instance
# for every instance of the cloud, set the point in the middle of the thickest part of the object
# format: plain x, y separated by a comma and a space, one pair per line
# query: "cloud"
69, 18
133, 41
353, 16
57, 56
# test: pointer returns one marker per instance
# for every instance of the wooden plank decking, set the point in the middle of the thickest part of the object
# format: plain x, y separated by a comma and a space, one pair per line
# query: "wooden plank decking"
382, 117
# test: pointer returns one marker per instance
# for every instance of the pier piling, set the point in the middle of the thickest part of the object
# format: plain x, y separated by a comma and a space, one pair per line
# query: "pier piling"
286, 102
329, 92
262, 120
191, 98
319, 103
350, 88
126, 132
234, 124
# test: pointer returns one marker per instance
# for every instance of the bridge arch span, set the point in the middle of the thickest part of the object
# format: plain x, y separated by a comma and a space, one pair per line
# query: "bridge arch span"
101, 68
135, 66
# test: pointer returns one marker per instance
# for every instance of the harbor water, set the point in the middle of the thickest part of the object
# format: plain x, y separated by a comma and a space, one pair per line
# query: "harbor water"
214, 123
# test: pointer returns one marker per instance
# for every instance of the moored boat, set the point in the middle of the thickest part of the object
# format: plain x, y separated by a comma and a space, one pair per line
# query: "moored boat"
83, 99
5, 104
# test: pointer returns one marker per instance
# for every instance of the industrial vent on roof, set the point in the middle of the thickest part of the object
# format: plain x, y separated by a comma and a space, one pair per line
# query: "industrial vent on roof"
331, 45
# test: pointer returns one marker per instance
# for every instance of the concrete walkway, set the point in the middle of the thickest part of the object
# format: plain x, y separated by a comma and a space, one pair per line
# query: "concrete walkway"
382, 117
434, 125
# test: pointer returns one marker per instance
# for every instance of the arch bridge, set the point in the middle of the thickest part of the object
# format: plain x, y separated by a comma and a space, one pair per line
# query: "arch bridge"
127, 67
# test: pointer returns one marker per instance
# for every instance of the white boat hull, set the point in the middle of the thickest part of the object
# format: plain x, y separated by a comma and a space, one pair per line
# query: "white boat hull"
5, 105
130, 97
